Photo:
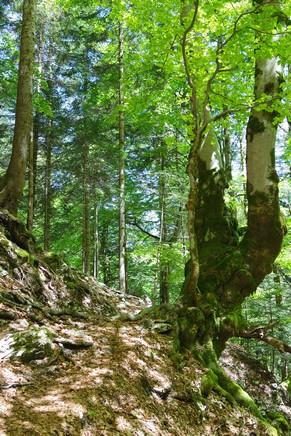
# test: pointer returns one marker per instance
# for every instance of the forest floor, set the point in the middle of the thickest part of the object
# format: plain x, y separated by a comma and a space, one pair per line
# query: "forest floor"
125, 383
85, 370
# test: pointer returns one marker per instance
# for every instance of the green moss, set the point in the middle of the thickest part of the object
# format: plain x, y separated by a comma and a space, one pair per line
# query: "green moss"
279, 421
269, 428
210, 383
3, 240
254, 126
35, 343
269, 88
53, 260
239, 395
71, 284
191, 327
209, 380
25, 256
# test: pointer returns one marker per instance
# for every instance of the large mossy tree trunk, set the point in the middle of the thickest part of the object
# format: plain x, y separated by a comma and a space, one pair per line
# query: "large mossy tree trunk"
13, 183
230, 269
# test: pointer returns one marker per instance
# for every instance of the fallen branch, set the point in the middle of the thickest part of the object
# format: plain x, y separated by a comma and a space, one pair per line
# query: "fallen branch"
15, 385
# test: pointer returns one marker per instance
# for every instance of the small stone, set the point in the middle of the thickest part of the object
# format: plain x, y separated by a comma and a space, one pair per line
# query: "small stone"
20, 324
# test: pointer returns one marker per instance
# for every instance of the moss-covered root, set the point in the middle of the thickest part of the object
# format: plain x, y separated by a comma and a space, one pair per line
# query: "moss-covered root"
280, 422
217, 380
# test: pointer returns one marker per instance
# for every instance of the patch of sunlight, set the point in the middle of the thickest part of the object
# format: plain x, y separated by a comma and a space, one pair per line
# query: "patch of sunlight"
139, 362
87, 302
158, 377
138, 413
134, 341
127, 400
123, 329
122, 424
27, 426
7, 376
2, 426
97, 375
5, 408
89, 376
6, 347
153, 356
151, 427
129, 367
104, 350
57, 404
100, 372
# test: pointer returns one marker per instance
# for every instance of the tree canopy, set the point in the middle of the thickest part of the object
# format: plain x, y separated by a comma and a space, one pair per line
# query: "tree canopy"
147, 143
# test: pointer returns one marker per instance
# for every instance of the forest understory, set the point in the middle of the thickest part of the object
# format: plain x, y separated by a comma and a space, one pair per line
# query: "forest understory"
144, 208
78, 358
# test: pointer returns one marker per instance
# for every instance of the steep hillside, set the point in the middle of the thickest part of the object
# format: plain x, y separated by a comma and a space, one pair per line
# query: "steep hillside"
75, 360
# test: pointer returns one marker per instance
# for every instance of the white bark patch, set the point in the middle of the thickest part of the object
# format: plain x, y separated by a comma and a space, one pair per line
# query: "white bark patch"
259, 158
261, 140
269, 69
209, 152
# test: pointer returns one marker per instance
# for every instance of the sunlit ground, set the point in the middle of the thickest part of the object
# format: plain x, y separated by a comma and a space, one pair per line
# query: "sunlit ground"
125, 384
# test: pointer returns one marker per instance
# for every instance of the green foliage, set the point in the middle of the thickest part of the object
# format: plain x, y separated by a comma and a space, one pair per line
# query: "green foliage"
76, 89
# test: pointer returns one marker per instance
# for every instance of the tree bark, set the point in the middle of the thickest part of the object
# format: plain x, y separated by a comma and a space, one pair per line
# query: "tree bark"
12, 189
48, 187
33, 152
33, 149
86, 211
96, 242
122, 206
265, 233
163, 263
104, 257
262, 336
227, 154
222, 271
30, 209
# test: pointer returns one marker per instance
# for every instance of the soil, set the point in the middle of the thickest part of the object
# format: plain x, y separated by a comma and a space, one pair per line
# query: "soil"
127, 383
92, 367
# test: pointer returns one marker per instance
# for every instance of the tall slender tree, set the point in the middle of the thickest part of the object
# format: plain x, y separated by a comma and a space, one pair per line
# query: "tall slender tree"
163, 263
122, 206
48, 186
13, 182
86, 210
34, 144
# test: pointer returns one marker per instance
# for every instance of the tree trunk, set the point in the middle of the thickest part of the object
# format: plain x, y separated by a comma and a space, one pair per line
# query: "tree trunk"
230, 270
33, 149
48, 187
104, 258
13, 184
96, 242
122, 213
33, 152
86, 212
30, 209
264, 235
163, 262
227, 154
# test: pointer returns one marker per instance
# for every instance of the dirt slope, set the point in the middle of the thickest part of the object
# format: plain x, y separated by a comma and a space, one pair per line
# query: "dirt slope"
71, 365
126, 383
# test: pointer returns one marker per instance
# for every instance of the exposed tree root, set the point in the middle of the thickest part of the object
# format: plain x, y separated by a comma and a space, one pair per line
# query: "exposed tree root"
217, 380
